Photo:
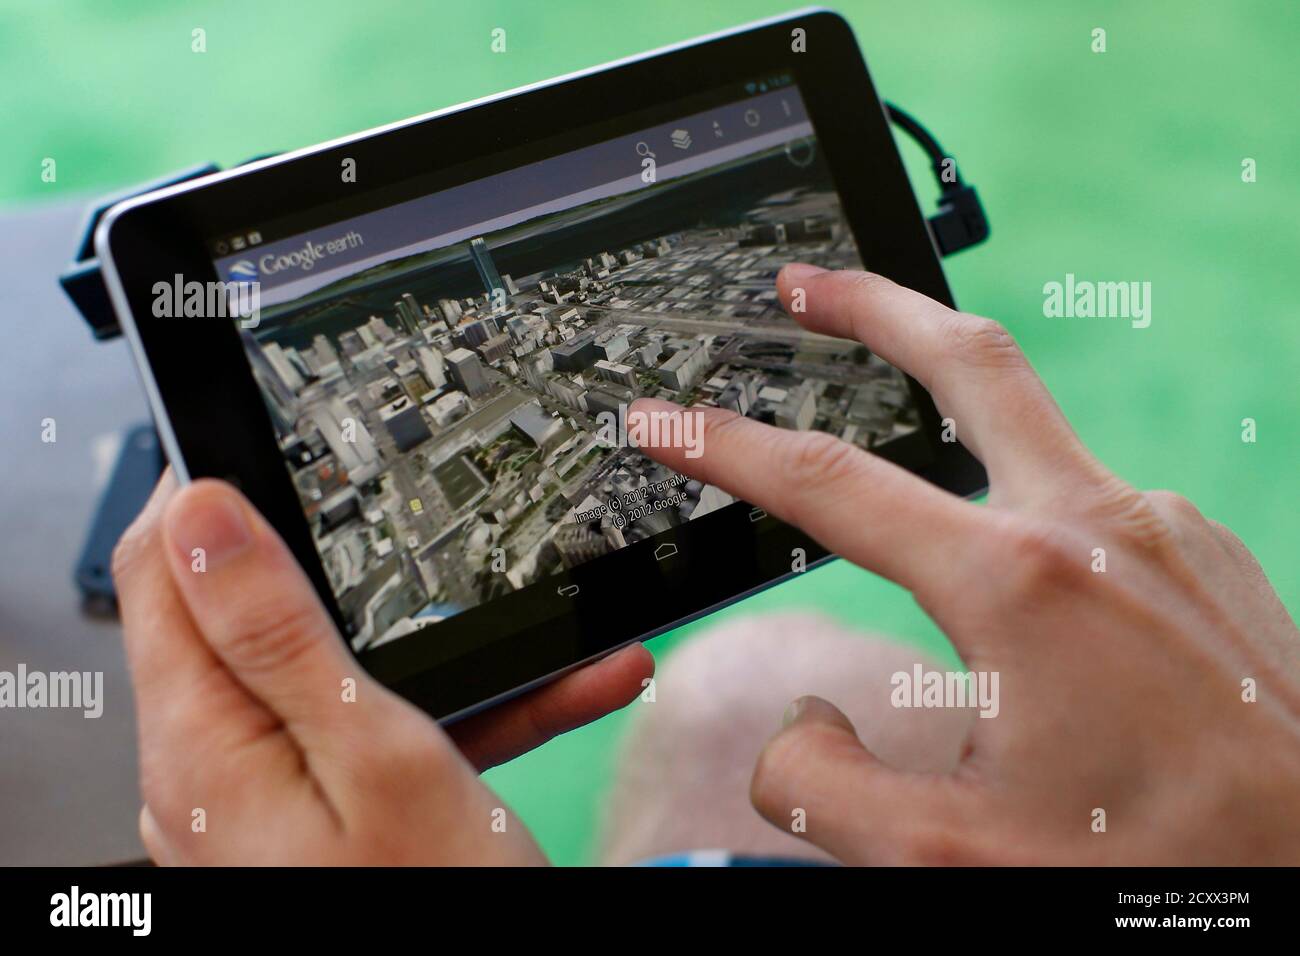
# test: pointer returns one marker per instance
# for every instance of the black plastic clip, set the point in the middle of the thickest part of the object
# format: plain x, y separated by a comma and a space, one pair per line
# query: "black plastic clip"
83, 281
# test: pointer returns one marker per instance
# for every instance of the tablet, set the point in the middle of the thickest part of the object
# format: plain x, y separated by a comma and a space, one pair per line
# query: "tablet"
406, 346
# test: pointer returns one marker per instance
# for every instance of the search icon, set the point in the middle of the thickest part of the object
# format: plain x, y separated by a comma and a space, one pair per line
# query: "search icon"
643, 149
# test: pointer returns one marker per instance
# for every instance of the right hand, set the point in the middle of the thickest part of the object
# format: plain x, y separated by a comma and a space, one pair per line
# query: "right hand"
1121, 690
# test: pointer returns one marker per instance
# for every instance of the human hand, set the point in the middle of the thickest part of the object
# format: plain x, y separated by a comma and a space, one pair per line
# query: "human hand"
1121, 690
239, 675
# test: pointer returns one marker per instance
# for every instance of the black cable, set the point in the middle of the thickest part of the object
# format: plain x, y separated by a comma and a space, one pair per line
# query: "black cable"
923, 138
959, 222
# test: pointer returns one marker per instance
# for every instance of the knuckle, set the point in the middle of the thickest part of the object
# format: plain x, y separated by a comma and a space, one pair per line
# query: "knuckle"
790, 762
135, 542
859, 281
155, 791
422, 748
1134, 514
270, 635
1043, 560
1174, 508
768, 791
937, 845
818, 459
414, 750
817, 465
163, 790
981, 341
149, 835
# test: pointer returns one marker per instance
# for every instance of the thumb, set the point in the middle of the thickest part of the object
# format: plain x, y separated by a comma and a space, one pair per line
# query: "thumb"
817, 780
261, 617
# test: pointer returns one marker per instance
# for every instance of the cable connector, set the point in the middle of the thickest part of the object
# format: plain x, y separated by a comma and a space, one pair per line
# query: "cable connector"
960, 221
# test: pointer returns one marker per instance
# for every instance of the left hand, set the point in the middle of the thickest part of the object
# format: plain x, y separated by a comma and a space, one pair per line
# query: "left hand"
505, 731
237, 675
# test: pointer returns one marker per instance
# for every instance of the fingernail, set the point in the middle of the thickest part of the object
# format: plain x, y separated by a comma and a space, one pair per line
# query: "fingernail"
792, 712
795, 271
212, 522
810, 708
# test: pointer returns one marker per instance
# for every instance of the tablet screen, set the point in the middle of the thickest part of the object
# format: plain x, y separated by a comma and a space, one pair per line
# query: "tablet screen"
449, 375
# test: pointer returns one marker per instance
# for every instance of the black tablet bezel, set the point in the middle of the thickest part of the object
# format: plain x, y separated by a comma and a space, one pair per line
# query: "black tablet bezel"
214, 421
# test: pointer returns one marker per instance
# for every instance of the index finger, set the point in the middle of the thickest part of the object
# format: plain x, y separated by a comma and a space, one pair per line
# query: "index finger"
519, 725
970, 365
856, 504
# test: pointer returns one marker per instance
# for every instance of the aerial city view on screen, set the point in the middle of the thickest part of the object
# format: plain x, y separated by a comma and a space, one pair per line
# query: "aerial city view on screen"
441, 414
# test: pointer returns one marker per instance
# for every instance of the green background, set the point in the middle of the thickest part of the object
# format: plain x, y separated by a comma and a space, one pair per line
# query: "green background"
1117, 166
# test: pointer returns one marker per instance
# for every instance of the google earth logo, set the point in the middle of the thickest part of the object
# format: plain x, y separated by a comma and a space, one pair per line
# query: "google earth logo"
243, 271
